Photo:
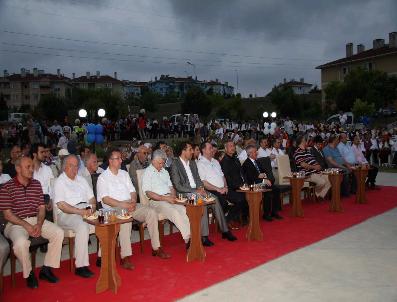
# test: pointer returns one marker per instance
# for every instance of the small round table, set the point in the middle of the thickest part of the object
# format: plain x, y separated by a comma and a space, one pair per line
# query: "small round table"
296, 188
335, 179
361, 173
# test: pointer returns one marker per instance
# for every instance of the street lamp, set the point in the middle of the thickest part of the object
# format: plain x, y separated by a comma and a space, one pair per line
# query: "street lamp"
194, 67
273, 115
82, 113
101, 112
265, 114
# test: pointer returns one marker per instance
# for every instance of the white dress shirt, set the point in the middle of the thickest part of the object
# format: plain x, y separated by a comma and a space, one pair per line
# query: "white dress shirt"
211, 171
117, 186
72, 191
242, 156
44, 175
4, 178
276, 152
189, 173
264, 152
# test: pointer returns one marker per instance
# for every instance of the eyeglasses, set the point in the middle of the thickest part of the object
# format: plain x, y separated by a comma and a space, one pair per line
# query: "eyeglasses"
115, 158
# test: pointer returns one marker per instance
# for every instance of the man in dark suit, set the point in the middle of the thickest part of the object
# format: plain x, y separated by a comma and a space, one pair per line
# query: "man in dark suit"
186, 179
256, 172
317, 152
231, 168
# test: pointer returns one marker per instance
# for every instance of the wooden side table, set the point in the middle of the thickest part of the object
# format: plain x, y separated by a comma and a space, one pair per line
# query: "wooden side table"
109, 279
335, 179
361, 174
254, 199
296, 188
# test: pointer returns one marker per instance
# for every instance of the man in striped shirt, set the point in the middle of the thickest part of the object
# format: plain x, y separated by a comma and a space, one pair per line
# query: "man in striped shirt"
306, 163
21, 200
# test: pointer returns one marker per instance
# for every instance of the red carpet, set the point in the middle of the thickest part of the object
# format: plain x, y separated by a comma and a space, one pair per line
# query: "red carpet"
167, 280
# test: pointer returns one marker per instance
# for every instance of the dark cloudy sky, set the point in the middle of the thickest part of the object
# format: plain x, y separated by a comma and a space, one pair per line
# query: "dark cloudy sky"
261, 41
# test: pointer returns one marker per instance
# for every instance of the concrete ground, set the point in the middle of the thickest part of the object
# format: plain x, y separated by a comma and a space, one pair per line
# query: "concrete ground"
358, 264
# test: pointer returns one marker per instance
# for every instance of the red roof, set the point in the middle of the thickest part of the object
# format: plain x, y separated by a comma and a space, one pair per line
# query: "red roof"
96, 79
295, 83
370, 53
30, 77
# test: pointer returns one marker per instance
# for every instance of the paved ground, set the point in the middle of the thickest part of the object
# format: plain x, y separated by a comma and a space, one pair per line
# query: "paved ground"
358, 264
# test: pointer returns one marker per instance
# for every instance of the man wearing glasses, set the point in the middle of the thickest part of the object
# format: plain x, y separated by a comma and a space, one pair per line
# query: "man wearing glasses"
115, 190
156, 184
140, 162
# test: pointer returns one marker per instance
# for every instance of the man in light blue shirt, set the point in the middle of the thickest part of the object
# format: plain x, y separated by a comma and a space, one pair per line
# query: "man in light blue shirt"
346, 150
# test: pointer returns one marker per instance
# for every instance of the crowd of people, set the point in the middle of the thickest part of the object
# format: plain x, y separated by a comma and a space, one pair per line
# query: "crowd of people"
46, 189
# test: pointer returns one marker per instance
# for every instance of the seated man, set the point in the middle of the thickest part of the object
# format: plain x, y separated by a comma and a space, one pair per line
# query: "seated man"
115, 190
255, 174
231, 168
72, 195
9, 166
317, 152
157, 186
360, 159
348, 155
214, 181
335, 160
140, 162
306, 163
22, 202
186, 179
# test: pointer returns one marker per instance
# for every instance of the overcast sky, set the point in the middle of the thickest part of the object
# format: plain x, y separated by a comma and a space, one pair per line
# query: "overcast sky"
259, 41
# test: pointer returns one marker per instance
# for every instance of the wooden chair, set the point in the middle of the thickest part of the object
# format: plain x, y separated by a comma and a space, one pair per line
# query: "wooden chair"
144, 200
35, 243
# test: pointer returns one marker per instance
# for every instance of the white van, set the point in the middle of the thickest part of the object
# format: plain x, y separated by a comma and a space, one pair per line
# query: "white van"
17, 117
335, 118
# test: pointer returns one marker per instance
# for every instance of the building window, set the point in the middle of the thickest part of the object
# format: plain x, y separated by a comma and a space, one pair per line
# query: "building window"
108, 85
35, 85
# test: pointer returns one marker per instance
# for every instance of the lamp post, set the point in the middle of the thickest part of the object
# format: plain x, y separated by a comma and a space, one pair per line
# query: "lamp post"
194, 67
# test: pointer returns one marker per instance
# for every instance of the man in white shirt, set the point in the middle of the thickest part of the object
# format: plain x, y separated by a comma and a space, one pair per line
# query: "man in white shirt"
157, 185
64, 140
214, 181
72, 195
115, 190
264, 150
276, 151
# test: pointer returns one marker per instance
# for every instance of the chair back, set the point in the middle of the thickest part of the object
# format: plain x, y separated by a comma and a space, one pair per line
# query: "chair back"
142, 196
284, 169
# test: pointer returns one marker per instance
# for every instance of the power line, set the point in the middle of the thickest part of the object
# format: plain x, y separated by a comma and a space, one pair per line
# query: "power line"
137, 46
140, 56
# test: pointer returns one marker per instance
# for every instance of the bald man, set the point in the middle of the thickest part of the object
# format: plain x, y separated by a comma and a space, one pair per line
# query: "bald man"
22, 202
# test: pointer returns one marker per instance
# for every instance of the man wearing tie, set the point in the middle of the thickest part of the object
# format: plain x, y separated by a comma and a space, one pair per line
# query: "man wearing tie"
255, 174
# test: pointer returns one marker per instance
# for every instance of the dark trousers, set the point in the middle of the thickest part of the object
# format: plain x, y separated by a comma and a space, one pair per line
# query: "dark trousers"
239, 206
372, 173
271, 201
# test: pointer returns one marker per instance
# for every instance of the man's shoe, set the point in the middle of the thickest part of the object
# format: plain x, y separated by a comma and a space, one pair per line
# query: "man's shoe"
98, 262
126, 263
233, 225
267, 218
31, 281
277, 216
206, 241
46, 274
229, 236
160, 253
83, 272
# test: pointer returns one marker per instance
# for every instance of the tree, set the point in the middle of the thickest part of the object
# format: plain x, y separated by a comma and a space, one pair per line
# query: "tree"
362, 108
196, 101
51, 107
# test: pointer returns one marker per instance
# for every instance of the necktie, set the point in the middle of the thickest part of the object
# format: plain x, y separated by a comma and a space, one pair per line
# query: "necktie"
256, 166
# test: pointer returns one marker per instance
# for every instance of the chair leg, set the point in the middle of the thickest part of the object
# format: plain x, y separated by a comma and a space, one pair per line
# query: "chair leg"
141, 235
13, 263
161, 232
71, 254
33, 257
171, 227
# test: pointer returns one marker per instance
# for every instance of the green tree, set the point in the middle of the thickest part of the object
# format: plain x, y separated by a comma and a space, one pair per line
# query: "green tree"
362, 108
196, 101
51, 107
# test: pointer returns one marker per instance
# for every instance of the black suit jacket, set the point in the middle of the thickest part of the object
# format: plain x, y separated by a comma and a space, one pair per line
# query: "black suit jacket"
179, 176
265, 166
251, 173
319, 157
231, 168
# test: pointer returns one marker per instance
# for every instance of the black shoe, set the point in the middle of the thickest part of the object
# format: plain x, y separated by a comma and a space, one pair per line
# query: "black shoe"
83, 272
88, 271
46, 274
187, 244
206, 241
229, 236
31, 281
267, 218
277, 216
98, 262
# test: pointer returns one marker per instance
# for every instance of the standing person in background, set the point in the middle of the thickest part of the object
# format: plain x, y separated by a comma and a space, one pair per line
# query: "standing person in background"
142, 124
9, 167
